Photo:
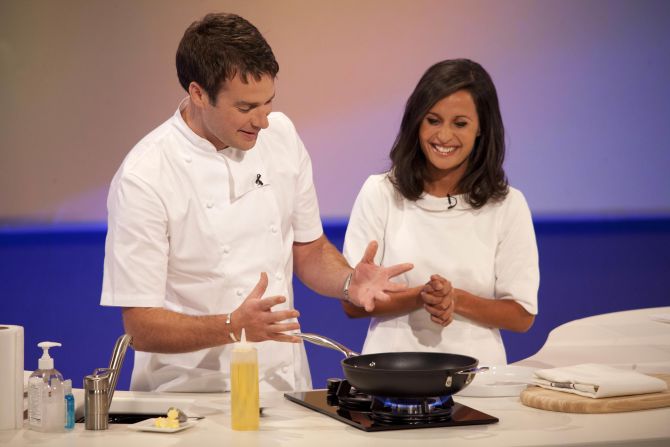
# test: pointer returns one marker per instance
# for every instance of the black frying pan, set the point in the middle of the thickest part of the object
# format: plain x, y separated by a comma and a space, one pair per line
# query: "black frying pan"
403, 374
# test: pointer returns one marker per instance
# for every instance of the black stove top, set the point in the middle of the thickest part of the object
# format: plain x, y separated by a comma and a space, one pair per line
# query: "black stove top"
374, 413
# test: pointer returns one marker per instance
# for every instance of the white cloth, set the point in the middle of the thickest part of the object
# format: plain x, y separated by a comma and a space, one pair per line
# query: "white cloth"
490, 252
597, 381
191, 230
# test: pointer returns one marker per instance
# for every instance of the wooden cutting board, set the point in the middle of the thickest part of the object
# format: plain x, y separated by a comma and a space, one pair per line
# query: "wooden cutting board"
544, 399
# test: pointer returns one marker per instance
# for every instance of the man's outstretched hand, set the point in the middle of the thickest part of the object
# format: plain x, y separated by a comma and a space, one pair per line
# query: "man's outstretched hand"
371, 282
258, 319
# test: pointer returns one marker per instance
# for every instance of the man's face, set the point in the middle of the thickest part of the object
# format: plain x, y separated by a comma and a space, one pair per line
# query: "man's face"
241, 111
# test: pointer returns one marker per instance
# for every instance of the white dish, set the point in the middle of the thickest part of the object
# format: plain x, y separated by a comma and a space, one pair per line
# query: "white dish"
499, 381
149, 425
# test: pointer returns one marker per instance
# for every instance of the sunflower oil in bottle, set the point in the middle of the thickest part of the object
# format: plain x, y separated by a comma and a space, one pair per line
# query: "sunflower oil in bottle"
244, 403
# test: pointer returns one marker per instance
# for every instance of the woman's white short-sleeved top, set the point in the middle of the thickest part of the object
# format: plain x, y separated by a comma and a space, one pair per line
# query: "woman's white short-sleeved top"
191, 229
490, 252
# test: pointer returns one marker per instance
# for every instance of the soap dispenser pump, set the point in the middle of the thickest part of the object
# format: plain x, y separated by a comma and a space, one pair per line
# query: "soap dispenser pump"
46, 409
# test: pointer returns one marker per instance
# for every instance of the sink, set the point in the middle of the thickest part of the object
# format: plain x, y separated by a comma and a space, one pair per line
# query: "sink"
129, 404
126, 418
129, 407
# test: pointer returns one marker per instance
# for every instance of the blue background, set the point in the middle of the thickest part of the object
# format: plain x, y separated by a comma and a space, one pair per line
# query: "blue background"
50, 282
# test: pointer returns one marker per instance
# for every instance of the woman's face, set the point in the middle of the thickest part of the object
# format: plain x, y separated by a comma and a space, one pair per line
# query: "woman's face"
447, 135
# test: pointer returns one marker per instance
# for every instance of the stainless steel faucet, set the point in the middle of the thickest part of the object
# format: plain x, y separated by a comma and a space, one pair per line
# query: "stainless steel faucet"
116, 362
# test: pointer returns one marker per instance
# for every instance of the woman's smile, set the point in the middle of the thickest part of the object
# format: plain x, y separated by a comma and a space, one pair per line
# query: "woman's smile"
443, 150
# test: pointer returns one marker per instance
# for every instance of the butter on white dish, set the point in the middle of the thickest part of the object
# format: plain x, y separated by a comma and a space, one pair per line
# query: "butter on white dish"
171, 421
499, 381
150, 425
598, 381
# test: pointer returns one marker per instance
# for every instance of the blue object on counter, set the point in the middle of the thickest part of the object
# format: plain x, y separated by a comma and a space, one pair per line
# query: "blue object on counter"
69, 405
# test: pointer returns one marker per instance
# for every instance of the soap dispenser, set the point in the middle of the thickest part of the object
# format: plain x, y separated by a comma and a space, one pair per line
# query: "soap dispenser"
244, 399
46, 407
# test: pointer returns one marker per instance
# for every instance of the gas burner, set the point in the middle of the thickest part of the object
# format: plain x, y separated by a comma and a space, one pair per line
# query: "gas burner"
342, 394
345, 403
394, 410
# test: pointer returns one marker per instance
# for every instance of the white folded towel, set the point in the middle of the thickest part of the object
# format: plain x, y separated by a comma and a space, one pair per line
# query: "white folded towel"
593, 380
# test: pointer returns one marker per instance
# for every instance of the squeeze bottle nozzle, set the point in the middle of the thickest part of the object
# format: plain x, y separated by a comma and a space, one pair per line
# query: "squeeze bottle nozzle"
243, 345
46, 362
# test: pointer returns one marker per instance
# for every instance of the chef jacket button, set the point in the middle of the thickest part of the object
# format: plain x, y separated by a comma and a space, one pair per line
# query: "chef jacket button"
187, 159
226, 249
278, 276
273, 228
209, 204
239, 292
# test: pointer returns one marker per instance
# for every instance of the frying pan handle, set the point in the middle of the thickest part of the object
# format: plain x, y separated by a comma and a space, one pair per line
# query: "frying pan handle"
470, 372
474, 370
326, 343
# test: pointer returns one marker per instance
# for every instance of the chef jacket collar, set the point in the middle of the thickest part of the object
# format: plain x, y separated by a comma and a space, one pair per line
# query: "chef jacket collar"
245, 168
246, 171
196, 140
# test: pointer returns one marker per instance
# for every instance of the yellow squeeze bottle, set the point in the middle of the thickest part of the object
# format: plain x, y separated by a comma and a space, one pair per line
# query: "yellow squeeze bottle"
244, 401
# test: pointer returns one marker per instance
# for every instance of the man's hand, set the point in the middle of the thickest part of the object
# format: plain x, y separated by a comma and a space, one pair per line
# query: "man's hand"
370, 282
260, 323
438, 297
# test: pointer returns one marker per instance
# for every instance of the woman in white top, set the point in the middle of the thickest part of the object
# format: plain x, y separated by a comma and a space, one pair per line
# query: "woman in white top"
445, 205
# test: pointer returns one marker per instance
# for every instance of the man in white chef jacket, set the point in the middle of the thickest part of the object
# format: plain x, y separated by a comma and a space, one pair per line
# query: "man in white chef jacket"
210, 213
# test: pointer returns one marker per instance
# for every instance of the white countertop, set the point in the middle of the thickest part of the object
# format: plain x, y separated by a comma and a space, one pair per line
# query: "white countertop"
620, 338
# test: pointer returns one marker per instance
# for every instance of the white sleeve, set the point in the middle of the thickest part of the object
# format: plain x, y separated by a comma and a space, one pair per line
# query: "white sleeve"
367, 221
136, 248
306, 219
516, 264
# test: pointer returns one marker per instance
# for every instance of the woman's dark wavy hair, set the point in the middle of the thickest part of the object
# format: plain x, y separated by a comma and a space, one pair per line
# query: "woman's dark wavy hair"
213, 50
484, 178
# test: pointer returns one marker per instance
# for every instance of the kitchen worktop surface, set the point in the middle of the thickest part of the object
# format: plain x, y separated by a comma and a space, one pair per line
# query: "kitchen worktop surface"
622, 338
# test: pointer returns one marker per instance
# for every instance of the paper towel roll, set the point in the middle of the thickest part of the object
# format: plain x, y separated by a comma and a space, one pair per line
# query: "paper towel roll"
11, 377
